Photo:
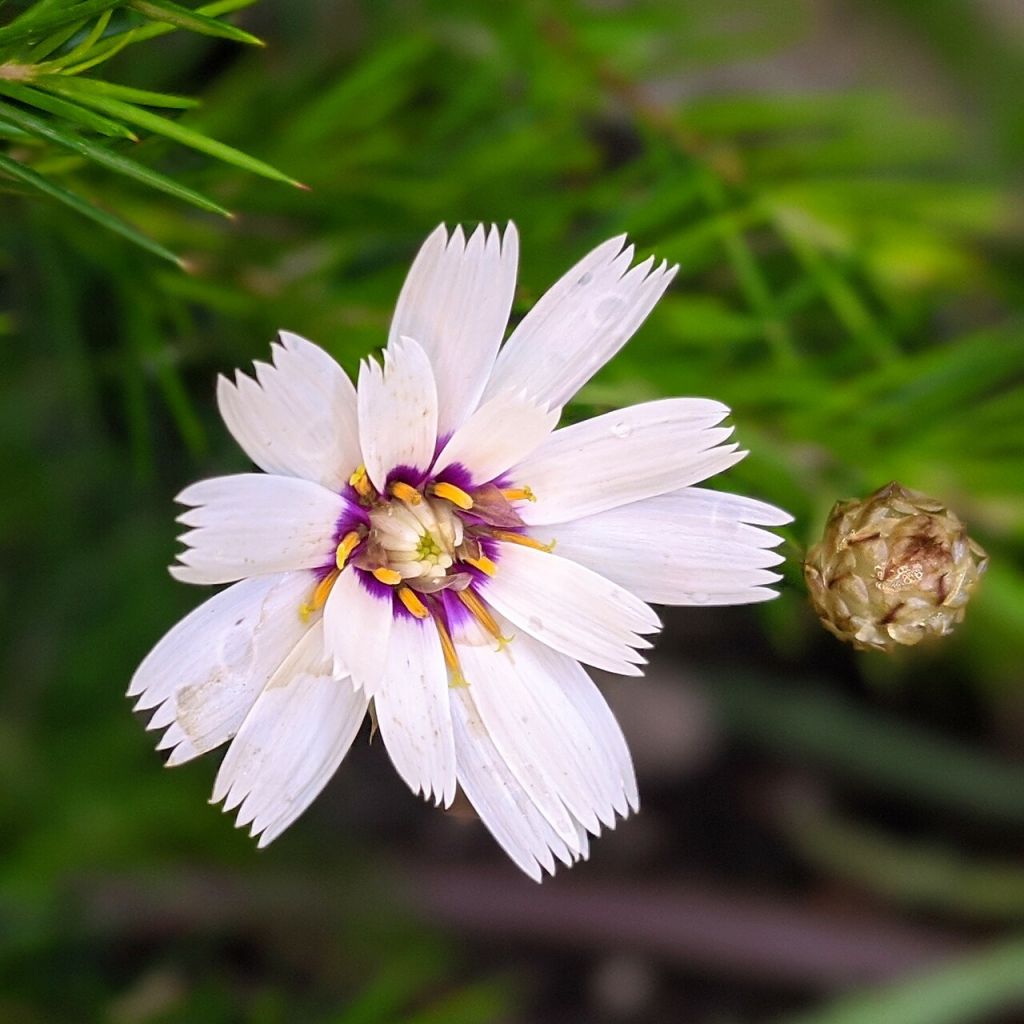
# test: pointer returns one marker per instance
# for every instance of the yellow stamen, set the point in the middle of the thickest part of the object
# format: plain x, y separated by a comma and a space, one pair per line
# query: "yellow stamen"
482, 615
451, 657
388, 576
412, 603
406, 493
320, 595
522, 538
361, 482
456, 495
519, 494
348, 544
483, 563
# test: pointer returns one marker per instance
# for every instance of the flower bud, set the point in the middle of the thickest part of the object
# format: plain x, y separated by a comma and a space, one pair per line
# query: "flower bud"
892, 569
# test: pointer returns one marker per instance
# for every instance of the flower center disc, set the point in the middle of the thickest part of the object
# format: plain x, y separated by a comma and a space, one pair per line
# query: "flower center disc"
417, 535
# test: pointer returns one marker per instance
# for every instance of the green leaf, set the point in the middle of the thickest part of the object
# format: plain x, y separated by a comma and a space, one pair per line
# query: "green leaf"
31, 25
108, 158
114, 44
186, 136
970, 990
182, 17
97, 87
26, 175
69, 111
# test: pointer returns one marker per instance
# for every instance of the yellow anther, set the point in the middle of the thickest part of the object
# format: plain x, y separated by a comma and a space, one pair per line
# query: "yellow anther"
388, 576
519, 494
483, 563
406, 493
481, 613
348, 544
361, 482
412, 603
456, 495
320, 595
451, 657
522, 538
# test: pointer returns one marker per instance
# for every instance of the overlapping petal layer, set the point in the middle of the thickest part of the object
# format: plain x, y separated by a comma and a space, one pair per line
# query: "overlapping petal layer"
252, 524
298, 418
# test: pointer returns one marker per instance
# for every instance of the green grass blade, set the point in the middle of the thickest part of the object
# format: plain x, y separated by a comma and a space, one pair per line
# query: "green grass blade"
27, 176
35, 52
32, 25
114, 44
67, 110
186, 136
968, 991
182, 17
98, 87
109, 159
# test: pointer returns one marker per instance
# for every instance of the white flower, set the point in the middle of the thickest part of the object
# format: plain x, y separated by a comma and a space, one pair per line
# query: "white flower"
431, 544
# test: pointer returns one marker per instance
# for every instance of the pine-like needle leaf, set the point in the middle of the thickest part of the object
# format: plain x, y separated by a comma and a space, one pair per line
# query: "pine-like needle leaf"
108, 158
29, 177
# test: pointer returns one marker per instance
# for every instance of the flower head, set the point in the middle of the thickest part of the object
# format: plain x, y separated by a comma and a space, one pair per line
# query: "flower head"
431, 543
892, 569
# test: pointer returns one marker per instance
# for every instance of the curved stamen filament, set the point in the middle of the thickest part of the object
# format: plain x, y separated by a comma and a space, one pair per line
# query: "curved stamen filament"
519, 494
523, 539
320, 595
482, 614
456, 495
451, 657
483, 563
348, 544
406, 493
360, 481
412, 603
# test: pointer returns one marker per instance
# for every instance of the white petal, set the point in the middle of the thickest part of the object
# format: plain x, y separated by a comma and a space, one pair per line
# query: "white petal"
689, 547
455, 303
570, 608
413, 713
582, 694
501, 432
291, 742
252, 524
579, 324
357, 627
504, 805
205, 674
542, 738
300, 419
624, 456
397, 412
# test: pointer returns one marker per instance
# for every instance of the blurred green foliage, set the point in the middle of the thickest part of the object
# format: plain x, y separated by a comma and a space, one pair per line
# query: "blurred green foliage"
850, 286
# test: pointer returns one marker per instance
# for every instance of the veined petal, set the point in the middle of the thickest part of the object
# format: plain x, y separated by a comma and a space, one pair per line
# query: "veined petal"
357, 630
581, 693
205, 674
455, 302
624, 456
570, 608
298, 418
542, 738
413, 713
579, 324
291, 742
397, 411
692, 546
503, 803
252, 524
501, 432
516, 690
